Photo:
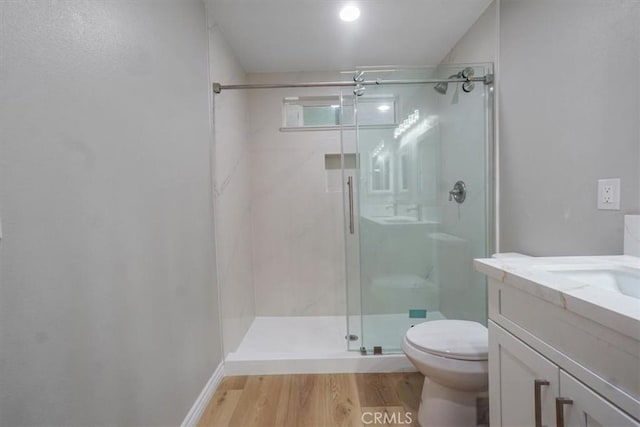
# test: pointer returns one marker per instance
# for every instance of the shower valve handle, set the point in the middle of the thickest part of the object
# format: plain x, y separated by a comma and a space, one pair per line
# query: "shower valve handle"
459, 192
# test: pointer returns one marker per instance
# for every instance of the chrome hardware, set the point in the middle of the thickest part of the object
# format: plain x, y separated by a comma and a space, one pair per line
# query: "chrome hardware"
468, 86
351, 224
467, 73
394, 207
417, 209
560, 402
351, 337
537, 399
459, 192
358, 78
455, 78
363, 351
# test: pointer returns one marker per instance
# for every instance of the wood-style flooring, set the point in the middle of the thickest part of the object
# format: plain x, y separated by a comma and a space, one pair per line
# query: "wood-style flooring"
330, 400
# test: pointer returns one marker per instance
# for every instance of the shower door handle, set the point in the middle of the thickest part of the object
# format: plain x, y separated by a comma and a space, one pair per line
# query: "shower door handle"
350, 185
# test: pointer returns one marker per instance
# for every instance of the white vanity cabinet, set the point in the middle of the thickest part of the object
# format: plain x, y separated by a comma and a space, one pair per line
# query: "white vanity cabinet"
560, 353
527, 389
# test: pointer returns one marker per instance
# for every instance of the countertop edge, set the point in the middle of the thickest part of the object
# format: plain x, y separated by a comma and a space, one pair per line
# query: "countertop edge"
581, 299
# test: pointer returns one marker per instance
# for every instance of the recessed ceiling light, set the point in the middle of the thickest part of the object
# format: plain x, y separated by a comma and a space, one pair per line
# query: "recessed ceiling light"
384, 107
349, 13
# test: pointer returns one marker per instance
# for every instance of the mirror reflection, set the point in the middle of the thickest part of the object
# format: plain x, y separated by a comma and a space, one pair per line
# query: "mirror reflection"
381, 166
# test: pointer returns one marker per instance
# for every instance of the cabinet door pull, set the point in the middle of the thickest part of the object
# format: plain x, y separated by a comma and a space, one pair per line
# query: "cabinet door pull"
560, 402
537, 399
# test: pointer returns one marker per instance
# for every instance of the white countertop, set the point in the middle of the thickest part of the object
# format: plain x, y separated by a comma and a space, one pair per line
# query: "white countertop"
399, 220
609, 308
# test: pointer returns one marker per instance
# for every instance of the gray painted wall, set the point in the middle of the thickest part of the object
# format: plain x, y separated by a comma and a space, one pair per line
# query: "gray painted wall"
480, 42
567, 119
108, 302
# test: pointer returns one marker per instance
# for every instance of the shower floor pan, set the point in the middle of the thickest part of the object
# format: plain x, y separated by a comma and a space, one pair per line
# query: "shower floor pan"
312, 344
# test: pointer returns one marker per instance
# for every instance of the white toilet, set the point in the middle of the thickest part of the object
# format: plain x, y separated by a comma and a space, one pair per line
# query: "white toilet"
452, 355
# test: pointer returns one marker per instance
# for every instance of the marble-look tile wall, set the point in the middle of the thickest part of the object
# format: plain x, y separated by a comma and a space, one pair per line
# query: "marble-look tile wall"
232, 181
297, 213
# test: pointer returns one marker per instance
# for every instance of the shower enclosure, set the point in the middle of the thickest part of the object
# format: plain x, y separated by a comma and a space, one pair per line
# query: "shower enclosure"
418, 204
369, 197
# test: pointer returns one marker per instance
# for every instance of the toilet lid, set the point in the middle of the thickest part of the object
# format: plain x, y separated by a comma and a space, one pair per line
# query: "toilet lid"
455, 339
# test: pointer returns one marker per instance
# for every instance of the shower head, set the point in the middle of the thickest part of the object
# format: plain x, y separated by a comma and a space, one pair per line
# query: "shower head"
441, 87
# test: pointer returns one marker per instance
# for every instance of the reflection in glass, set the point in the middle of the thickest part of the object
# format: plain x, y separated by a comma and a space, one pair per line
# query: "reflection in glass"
381, 172
404, 171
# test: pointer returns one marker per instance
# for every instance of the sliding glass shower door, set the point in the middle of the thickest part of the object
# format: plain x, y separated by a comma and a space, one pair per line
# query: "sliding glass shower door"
417, 203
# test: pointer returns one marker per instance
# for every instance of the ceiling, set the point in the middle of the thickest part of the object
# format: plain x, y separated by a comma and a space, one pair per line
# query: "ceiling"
307, 35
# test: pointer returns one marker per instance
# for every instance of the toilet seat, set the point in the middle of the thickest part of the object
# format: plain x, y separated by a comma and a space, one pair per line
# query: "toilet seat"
467, 375
453, 339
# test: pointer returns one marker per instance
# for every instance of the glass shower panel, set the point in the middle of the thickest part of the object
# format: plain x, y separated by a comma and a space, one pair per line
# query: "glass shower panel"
352, 242
409, 259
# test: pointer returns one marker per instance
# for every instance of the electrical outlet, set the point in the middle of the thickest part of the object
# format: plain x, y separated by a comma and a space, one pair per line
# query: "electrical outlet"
609, 194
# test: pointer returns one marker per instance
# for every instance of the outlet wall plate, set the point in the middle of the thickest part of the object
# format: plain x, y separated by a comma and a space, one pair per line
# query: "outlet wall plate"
609, 194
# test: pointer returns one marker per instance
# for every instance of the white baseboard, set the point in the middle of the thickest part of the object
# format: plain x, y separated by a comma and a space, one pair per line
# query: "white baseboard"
196, 411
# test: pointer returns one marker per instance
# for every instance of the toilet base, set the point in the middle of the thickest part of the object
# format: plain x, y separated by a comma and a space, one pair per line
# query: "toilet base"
442, 406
